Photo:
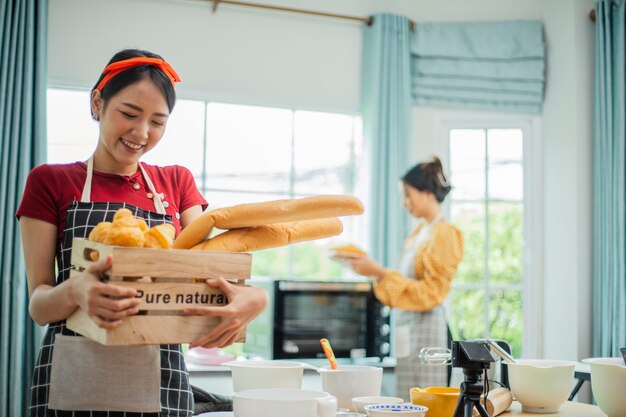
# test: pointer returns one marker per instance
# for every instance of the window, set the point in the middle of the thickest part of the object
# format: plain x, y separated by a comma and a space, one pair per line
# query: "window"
489, 201
243, 154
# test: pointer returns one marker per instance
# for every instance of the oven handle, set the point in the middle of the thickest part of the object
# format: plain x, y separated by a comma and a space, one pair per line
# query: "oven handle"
322, 286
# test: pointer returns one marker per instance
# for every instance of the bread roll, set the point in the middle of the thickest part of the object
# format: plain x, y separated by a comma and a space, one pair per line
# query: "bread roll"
253, 238
269, 212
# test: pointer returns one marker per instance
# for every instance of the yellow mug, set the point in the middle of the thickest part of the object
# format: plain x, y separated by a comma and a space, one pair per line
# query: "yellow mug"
441, 401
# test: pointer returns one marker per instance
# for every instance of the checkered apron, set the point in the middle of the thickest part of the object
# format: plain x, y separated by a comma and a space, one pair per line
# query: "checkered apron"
416, 330
176, 396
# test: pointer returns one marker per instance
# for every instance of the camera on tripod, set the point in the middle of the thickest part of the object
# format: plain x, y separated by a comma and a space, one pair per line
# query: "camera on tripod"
474, 358
471, 355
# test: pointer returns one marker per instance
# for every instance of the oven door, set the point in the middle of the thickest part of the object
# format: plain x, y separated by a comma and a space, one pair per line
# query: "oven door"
306, 312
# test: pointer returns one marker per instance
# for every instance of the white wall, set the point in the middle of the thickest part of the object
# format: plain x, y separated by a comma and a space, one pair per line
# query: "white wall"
568, 156
241, 53
274, 58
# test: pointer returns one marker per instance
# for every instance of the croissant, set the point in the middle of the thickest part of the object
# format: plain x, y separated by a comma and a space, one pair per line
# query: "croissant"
100, 232
125, 236
160, 236
142, 224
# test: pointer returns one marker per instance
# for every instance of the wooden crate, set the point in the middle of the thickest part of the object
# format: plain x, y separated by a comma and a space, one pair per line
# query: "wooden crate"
167, 281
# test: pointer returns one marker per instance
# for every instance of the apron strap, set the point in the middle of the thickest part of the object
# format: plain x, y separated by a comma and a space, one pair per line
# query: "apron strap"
156, 197
86, 195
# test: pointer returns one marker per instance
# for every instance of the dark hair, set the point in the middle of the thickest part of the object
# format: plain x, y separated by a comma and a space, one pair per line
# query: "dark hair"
138, 73
428, 176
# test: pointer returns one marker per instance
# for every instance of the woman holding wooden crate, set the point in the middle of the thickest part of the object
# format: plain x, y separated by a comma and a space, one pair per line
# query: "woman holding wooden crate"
132, 101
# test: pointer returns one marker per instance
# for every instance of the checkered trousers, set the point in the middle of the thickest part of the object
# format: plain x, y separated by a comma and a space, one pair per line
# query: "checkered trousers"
427, 329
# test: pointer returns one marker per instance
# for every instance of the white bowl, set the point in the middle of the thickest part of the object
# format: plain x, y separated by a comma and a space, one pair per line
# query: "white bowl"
359, 403
608, 379
266, 374
284, 403
541, 385
387, 410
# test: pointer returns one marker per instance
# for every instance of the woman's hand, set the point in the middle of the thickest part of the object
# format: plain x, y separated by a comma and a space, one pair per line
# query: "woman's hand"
244, 304
366, 266
106, 304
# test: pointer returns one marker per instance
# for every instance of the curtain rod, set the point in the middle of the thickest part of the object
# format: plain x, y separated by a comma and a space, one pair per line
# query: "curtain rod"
367, 20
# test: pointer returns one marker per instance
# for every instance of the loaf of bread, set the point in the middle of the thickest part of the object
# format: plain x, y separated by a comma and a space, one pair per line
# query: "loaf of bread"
248, 239
269, 212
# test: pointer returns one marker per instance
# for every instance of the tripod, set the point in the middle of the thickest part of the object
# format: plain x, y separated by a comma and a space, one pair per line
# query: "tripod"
471, 390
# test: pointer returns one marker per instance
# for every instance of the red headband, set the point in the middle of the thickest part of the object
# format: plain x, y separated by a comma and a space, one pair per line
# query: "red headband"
115, 68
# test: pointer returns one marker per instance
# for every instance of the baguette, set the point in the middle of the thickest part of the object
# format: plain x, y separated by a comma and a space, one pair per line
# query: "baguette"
281, 211
269, 212
195, 232
254, 238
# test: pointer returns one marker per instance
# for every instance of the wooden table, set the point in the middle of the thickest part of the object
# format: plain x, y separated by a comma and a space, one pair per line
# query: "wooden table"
568, 409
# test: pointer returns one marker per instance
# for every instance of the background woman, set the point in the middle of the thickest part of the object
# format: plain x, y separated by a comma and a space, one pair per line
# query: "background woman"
132, 101
417, 288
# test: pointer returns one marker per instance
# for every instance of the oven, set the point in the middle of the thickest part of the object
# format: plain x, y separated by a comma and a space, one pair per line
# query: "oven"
300, 313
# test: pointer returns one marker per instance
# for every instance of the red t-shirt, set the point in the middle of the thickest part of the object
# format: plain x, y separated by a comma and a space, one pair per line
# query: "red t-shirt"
50, 189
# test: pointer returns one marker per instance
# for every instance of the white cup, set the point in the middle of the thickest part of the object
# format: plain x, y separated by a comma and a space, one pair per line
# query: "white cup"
284, 403
349, 381
265, 374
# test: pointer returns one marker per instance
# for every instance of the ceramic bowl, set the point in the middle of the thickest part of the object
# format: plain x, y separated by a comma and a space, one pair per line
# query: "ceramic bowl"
388, 410
276, 402
266, 374
608, 379
541, 385
359, 403
441, 401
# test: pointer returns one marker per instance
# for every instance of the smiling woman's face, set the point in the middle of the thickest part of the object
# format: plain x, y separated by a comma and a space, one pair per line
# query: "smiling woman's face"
132, 122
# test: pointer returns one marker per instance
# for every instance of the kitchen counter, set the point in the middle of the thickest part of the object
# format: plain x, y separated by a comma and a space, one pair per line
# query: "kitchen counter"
568, 409
217, 378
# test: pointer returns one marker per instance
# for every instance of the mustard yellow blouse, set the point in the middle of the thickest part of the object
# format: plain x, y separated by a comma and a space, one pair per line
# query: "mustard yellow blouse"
436, 263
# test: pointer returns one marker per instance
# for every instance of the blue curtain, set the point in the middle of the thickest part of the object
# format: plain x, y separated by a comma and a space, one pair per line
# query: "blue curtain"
480, 65
22, 146
386, 110
609, 217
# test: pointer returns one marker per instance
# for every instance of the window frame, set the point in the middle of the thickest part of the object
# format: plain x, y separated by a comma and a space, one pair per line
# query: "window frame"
532, 285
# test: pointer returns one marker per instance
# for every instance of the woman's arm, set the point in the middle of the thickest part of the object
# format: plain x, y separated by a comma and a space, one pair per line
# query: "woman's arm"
436, 265
106, 304
244, 304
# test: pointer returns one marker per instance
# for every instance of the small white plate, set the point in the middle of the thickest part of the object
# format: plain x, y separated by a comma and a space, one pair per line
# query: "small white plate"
217, 414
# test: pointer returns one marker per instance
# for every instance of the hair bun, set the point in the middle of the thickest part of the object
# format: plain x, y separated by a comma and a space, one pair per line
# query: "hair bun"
429, 176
